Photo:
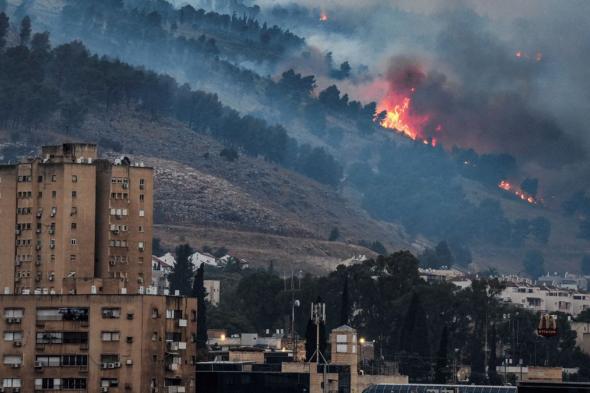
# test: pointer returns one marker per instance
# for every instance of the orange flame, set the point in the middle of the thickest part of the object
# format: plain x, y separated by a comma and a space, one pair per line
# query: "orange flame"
400, 117
506, 186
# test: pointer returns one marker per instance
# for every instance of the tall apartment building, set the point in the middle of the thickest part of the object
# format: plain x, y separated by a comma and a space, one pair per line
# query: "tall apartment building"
73, 223
77, 312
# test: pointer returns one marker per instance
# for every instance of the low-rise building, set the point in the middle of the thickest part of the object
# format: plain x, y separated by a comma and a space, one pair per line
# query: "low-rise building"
582, 330
213, 288
545, 299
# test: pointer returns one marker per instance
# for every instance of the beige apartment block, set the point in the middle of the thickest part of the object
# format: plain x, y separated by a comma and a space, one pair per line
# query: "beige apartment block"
97, 343
77, 310
74, 223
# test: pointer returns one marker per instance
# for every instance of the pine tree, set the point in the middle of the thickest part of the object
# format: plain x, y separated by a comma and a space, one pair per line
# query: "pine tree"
182, 272
200, 293
25, 31
344, 306
441, 372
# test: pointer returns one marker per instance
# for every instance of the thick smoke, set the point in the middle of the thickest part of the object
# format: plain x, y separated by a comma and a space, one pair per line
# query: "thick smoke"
502, 76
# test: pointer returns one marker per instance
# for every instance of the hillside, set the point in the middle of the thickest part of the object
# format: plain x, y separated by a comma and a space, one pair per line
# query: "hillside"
258, 210
365, 170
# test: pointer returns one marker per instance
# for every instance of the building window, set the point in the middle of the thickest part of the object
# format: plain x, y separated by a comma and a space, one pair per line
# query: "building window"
73, 383
74, 194
141, 197
140, 246
74, 211
13, 336
74, 242
40, 194
53, 194
11, 383
142, 184
74, 179
39, 179
140, 228
141, 213
48, 361
110, 336
74, 360
53, 178
109, 382
74, 225
111, 313
73, 258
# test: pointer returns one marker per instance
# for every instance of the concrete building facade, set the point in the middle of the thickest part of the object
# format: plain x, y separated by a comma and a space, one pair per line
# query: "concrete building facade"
78, 311
97, 343
70, 217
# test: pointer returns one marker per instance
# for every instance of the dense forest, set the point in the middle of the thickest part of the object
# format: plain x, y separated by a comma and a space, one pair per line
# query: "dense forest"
67, 82
422, 326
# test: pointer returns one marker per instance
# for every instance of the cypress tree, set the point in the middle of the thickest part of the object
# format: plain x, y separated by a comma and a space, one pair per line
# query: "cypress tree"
345, 307
182, 272
493, 376
200, 293
441, 372
414, 342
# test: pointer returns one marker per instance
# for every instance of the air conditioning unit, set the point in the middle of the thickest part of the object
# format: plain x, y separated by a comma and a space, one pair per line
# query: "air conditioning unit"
125, 185
17, 231
51, 231
112, 263
18, 263
38, 365
110, 365
38, 230
51, 277
104, 365
104, 389
52, 246
182, 323
17, 343
129, 362
117, 364
15, 365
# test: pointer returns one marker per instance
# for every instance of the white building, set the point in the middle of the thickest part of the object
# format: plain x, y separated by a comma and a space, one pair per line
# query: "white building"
199, 258
161, 267
213, 288
545, 299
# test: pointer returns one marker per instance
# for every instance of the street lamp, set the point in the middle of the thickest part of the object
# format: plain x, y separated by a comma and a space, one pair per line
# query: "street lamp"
361, 342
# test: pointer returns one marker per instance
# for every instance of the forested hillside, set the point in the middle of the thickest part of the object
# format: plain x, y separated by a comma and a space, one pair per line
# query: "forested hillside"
322, 134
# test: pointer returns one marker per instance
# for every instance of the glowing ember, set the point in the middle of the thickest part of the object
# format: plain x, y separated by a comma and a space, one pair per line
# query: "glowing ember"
323, 17
506, 186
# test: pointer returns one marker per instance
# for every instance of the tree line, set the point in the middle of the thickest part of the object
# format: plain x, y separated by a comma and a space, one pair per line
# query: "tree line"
65, 83
423, 327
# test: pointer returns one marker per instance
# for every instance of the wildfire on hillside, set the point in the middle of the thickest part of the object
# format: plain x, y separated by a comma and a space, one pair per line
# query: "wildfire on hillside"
399, 116
508, 187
